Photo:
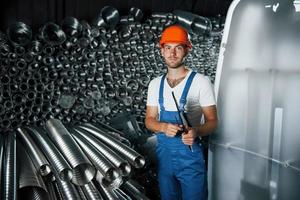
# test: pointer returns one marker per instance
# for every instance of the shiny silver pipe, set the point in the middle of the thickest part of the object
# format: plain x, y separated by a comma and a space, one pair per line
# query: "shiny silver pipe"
9, 171
192, 22
105, 192
53, 34
91, 192
31, 185
110, 15
121, 194
1, 159
131, 188
99, 160
67, 190
113, 132
60, 165
51, 190
71, 26
123, 166
38, 158
83, 170
131, 155
81, 193
19, 33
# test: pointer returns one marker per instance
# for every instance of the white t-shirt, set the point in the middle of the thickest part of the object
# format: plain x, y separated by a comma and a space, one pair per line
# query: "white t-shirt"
201, 94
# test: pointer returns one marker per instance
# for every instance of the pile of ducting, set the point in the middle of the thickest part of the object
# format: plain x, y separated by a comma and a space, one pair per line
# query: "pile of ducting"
89, 72
68, 162
78, 73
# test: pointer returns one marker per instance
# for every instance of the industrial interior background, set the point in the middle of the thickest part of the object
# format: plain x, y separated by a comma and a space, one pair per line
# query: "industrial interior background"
74, 77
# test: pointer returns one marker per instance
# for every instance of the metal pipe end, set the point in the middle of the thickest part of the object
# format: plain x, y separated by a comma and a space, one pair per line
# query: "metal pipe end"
45, 170
125, 169
112, 174
112, 184
139, 162
83, 174
66, 175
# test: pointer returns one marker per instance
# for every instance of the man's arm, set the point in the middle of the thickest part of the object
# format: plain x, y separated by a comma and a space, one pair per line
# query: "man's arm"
154, 125
210, 124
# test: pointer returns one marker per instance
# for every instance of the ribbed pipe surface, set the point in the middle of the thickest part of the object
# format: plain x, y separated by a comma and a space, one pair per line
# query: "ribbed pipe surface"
121, 194
130, 188
101, 163
91, 192
1, 159
132, 156
58, 162
83, 170
67, 190
123, 166
38, 158
31, 185
9, 171
105, 192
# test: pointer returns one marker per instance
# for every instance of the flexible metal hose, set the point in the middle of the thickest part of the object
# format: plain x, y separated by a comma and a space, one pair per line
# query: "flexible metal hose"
31, 185
9, 171
132, 156
101, 163
83, 170
58, 162
123, 166
38, 158
131, 188
91, 192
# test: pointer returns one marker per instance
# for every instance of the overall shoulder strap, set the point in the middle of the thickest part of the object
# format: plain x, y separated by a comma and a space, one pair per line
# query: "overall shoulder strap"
186, 89
161, 92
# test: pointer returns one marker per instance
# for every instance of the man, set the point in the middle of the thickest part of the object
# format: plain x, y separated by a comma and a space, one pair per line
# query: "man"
181, 167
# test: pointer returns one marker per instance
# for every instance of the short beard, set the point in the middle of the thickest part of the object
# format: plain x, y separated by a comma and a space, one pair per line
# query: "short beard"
177, 65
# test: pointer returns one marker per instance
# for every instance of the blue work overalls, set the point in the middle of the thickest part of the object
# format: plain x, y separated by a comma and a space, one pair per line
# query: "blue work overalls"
181, 172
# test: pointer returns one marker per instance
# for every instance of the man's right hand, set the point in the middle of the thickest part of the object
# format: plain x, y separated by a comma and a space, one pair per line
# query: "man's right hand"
170, 129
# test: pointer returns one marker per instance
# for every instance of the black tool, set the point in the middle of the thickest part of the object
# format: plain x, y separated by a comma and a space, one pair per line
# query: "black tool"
183, 119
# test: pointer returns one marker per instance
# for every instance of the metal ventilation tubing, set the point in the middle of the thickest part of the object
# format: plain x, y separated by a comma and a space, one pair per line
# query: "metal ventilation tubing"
101, 163
91, 192
83, 170
38, 158
132, 156
9, 171
123, 166
130, 188
59, 164
31, 185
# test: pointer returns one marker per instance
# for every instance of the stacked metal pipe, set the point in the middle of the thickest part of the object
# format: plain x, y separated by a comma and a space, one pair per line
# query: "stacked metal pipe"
77, 162
80, 72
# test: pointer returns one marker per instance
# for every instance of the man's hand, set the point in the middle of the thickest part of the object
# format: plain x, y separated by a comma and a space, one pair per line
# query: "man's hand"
170, 129
189, 136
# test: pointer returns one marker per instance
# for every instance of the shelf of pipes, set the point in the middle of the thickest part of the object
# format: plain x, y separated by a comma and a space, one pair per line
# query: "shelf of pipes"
73, 99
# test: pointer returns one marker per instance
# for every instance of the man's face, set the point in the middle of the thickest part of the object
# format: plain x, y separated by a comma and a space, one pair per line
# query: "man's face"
174, 54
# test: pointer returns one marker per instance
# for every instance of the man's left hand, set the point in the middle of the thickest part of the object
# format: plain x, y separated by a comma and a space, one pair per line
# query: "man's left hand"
189, 136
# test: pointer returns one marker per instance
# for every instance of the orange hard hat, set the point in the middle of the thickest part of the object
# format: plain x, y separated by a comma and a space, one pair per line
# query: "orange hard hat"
175, 33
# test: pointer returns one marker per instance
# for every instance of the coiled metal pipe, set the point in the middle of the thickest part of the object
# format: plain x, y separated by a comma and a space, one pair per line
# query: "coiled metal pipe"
131, 188
107, 193
31, 185
19, 34
67, 190
83, 170
38, 158
101, 163
123, 166
132, 156
9, 171
59, 164
91, 192
52, 34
